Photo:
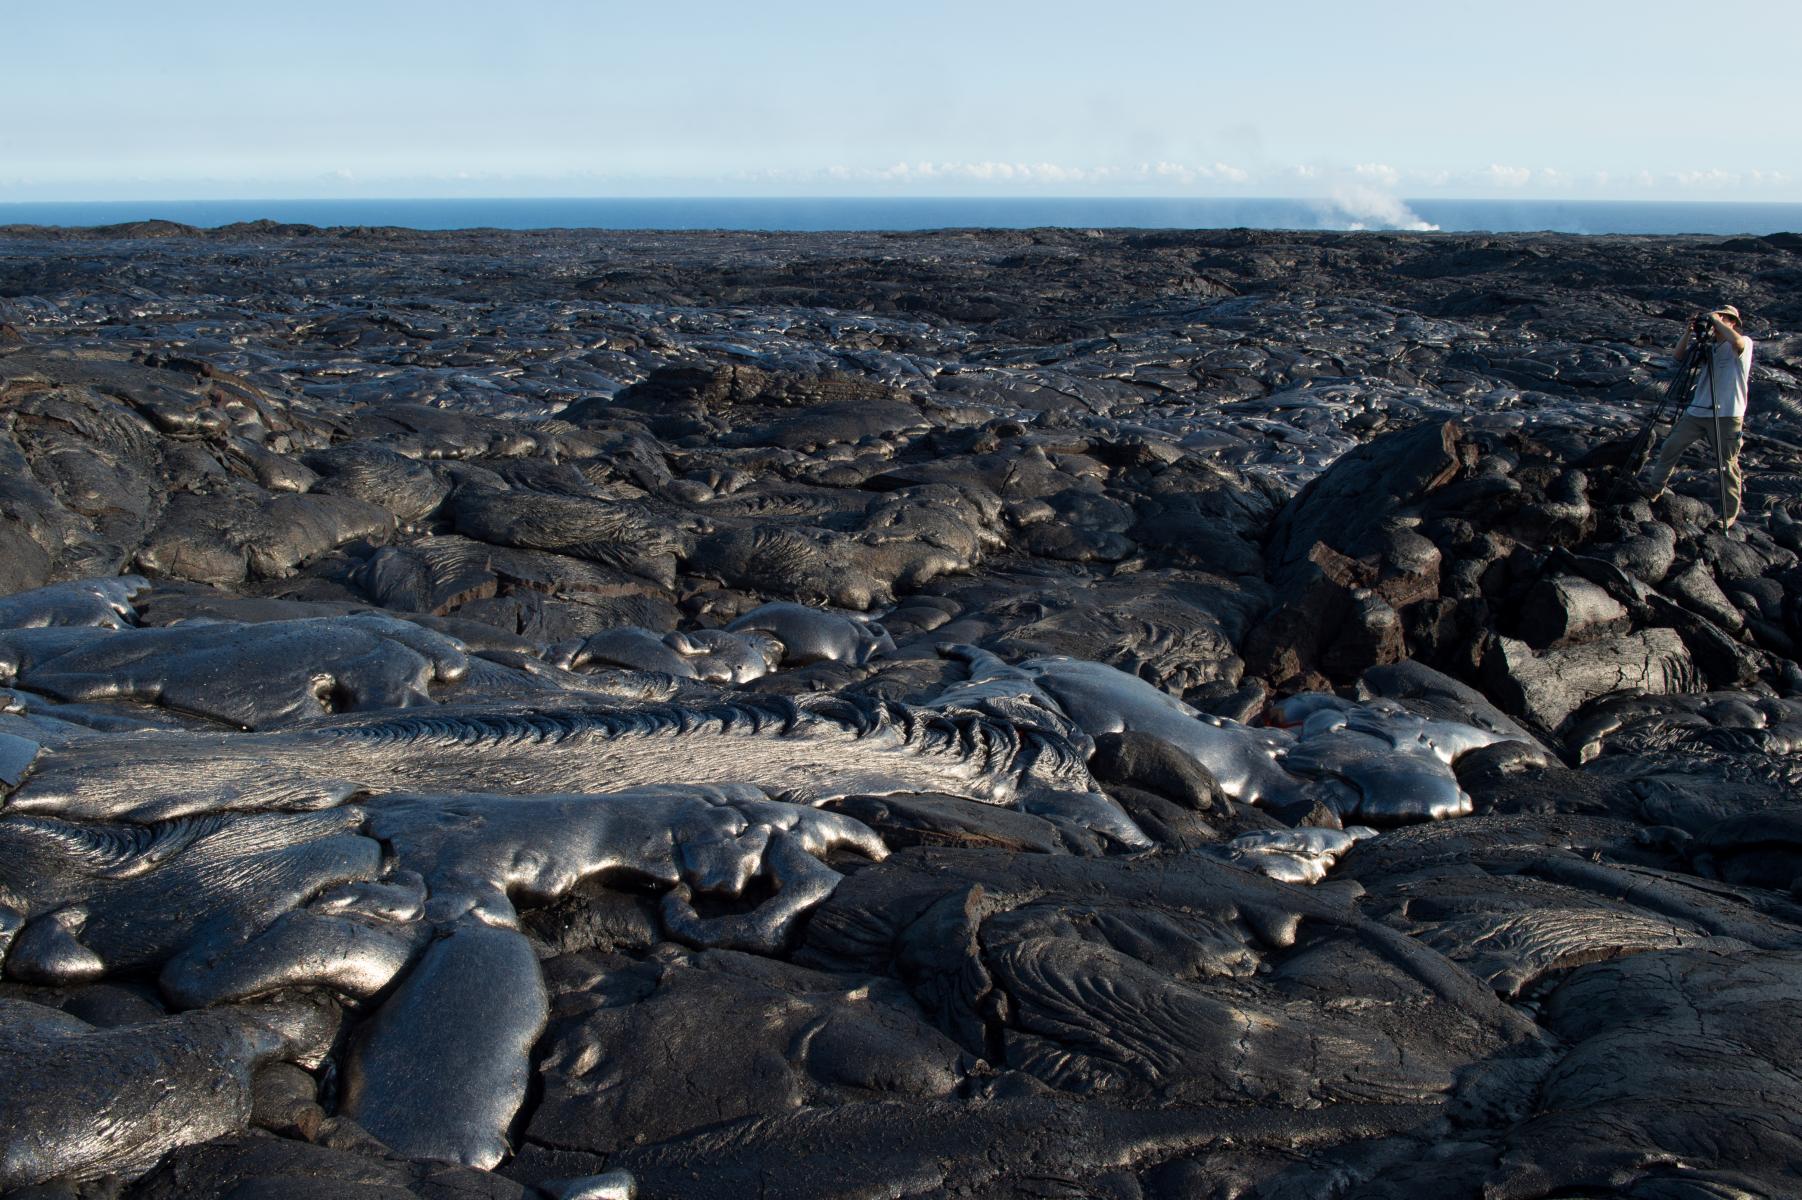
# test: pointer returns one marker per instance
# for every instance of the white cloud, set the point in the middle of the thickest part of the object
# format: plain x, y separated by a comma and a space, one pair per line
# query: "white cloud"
1364, 193
1030, 173
986, 171
1382, 174
1180, 172
1714, 177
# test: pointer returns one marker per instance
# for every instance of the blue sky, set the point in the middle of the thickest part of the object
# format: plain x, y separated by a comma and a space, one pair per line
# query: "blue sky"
1584, 98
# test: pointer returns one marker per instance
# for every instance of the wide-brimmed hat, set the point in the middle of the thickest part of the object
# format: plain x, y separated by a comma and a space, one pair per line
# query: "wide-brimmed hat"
1727, 310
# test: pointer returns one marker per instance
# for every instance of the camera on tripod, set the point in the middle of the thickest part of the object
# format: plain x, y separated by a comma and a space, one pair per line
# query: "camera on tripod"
1702, 324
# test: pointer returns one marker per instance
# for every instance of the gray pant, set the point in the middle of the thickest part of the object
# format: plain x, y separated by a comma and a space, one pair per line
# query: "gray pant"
1703, 429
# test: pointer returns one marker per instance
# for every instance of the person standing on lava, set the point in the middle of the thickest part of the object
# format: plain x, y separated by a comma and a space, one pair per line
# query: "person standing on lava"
1717, 407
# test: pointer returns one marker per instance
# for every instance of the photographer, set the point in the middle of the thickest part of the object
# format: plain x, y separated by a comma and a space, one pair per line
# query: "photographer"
1717, 407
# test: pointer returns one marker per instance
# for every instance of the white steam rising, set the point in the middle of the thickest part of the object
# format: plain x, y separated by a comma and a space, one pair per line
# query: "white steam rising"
1357, 206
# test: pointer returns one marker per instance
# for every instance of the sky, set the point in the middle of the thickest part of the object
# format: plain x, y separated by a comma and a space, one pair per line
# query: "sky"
202, 99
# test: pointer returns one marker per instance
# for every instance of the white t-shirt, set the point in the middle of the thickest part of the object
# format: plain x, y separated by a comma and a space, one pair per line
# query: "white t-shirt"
1723, 382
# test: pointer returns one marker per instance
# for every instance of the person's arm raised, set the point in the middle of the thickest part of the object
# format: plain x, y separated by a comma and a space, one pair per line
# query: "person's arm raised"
1689, 331
1733, 335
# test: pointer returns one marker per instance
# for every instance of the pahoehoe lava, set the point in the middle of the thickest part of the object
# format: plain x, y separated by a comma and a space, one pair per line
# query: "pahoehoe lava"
972, 713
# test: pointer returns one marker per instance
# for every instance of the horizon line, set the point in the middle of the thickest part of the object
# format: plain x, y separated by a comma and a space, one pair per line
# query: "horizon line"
816, 198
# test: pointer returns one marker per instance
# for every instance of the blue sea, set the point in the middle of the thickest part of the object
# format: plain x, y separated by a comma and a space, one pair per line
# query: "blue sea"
848, 213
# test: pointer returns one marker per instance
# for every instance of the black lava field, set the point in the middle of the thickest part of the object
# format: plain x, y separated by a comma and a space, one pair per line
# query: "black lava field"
1115, 715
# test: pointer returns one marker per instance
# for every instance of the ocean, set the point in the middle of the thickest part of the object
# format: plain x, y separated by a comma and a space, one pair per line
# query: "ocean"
913, 213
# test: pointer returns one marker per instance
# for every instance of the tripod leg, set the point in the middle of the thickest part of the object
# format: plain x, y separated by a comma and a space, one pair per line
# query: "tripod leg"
1717, 436
1676, 394
1723, 473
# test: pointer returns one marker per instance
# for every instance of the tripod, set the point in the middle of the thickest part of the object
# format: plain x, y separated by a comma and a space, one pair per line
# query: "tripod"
1697, 362
1719, 439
